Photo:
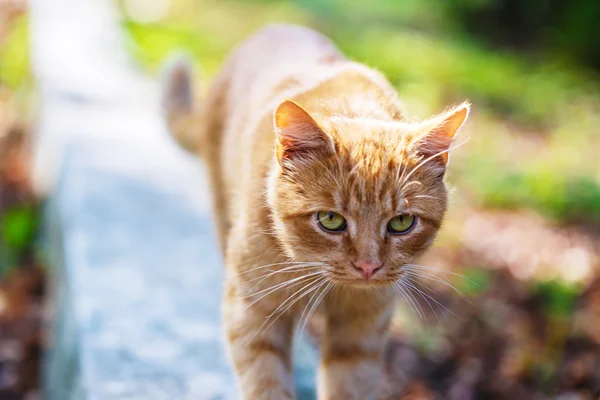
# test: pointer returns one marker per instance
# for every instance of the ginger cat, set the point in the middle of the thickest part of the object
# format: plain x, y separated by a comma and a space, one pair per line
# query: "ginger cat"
323, 194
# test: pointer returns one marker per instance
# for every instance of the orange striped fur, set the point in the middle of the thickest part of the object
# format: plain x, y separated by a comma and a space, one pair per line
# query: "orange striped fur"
289, 128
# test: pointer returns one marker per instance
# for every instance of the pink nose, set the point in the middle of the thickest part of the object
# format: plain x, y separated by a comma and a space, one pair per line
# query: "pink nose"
367, 268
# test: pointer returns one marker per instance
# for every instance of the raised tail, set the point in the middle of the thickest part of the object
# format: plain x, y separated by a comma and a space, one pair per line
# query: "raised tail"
179, 104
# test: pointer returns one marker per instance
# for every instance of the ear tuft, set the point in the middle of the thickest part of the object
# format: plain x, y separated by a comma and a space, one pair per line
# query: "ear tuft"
454, 119
299, 136
438, 139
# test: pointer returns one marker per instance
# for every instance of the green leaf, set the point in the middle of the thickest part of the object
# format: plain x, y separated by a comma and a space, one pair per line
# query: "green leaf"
558, 297
19, 227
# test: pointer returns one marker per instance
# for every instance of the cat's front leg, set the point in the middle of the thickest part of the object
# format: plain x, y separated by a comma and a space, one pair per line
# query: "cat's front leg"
261, 354
352, 354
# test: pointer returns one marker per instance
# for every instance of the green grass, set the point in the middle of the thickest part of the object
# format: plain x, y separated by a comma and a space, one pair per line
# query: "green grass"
559, 195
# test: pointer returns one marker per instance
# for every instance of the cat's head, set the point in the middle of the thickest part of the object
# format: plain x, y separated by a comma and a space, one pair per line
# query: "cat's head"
363, 197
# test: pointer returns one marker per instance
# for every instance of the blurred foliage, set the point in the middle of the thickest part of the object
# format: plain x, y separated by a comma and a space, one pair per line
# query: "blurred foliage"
473, 282
567, 28
560, 196
19, 227
559, 28
423, 49
19, 215
14, 55
22, 279
558, 297
18, 231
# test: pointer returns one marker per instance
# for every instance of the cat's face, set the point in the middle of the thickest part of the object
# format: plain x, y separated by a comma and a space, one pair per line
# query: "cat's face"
362, 197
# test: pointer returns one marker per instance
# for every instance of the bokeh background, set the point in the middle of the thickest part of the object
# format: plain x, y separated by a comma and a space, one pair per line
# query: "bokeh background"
522, 237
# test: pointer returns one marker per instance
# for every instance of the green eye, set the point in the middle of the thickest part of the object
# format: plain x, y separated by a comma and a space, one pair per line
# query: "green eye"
331, 221
402, 223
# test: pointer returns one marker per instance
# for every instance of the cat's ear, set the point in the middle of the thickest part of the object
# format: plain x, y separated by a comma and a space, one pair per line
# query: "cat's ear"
435, 144
300, 139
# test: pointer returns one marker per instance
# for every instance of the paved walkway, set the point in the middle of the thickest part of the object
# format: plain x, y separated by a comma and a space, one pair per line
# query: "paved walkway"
137, 268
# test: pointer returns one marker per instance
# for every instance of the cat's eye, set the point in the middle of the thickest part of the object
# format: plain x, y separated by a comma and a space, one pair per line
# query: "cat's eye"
331, 221
401, 224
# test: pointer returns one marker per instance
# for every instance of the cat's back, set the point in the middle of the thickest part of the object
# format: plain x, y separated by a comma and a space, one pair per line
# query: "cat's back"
270, 61
274, 53
276, 61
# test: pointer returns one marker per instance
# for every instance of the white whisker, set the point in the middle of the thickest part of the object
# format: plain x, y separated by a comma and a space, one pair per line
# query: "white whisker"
314, 306
297, 296
309, 287
307, 306
412, 183
429, 159
404, 295
443, 282
274, 288
415, 301
405, 165
425, 294
445, 271
276, 264
410, 285
290, 269
424, 196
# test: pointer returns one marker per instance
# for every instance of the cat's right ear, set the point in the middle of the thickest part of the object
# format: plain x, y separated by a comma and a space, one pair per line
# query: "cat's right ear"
300, 139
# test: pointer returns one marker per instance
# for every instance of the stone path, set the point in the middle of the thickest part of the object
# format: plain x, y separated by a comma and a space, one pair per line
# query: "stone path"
137, 272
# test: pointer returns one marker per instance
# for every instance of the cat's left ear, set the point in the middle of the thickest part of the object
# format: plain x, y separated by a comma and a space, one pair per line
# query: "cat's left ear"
300, 139
436, 142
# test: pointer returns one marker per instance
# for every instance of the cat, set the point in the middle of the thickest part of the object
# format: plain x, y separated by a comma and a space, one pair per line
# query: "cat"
323, 192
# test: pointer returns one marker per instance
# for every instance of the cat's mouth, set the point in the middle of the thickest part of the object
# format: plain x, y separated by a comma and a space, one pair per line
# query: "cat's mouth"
361, 282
